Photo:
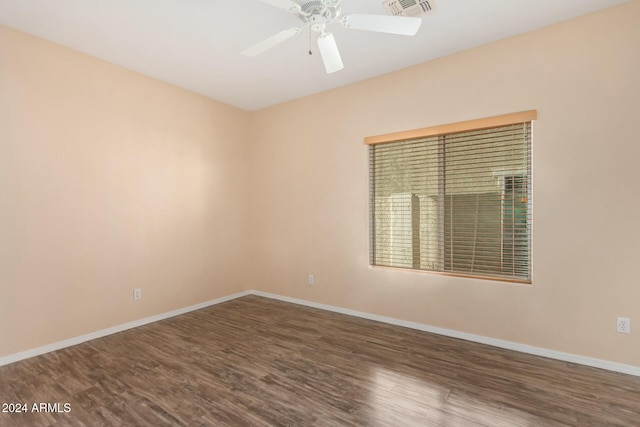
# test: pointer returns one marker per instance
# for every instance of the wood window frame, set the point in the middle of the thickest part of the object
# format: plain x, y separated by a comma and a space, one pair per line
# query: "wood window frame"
477, 124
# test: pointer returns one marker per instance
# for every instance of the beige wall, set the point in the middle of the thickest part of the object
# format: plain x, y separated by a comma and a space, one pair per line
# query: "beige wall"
582, 77
109, 181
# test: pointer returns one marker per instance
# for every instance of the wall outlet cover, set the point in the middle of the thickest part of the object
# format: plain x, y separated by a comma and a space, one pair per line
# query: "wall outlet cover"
624, 325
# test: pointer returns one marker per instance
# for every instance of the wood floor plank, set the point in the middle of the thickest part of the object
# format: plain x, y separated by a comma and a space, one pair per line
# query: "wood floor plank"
260, 362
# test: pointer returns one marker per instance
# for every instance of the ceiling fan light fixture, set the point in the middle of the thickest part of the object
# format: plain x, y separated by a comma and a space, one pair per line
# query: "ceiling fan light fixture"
318, 23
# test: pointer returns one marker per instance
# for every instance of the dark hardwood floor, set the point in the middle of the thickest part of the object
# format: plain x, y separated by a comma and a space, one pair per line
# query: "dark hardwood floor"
260, 362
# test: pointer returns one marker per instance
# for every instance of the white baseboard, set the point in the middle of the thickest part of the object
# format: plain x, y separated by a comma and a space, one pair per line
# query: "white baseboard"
115, 329
552, 354
537, 351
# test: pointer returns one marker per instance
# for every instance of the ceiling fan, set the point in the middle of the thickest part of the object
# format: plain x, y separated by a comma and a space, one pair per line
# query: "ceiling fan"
317, 14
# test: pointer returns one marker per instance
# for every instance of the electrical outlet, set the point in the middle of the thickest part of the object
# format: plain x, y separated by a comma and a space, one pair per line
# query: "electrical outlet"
311, 280
137, 294
624, 325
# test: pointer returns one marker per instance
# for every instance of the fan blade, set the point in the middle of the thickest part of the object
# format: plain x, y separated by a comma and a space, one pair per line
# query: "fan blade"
287, 5
329, 53
403, 25
270, 42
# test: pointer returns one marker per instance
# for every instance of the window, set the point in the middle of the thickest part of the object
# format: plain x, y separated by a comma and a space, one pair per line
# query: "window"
454, 199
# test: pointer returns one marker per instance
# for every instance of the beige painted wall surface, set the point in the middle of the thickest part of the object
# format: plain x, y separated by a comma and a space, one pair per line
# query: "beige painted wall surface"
109, 181
311, 186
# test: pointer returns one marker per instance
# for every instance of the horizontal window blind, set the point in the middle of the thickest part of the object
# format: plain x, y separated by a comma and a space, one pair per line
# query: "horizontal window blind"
457, 202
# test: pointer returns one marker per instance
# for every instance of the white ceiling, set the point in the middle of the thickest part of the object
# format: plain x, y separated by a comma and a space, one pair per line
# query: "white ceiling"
196, 44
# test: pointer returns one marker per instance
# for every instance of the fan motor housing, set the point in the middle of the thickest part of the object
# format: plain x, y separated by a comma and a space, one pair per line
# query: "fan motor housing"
328, 9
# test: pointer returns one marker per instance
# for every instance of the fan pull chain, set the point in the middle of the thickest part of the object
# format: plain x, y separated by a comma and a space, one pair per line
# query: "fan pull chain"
310, 43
